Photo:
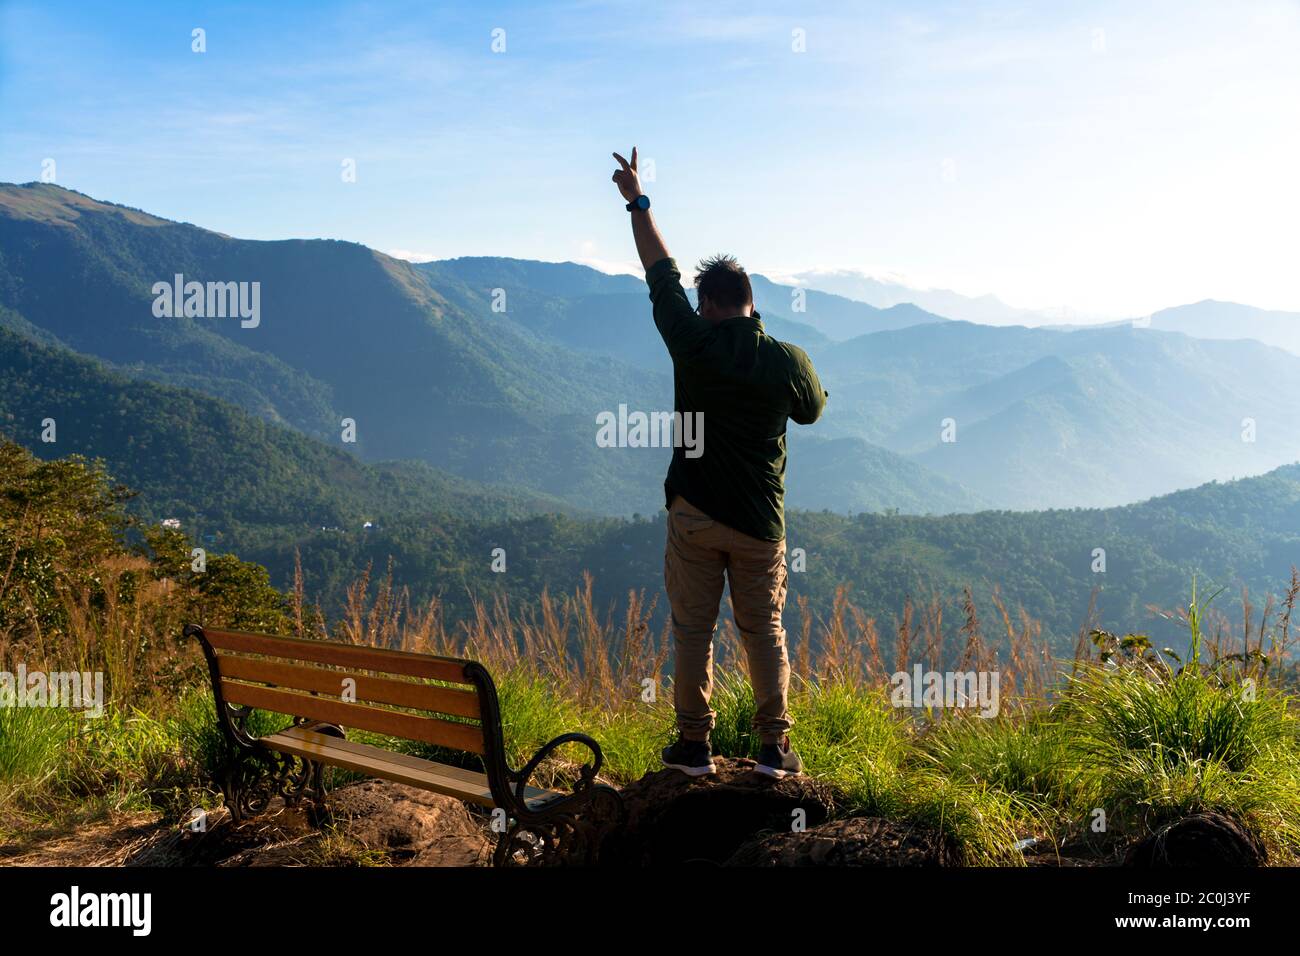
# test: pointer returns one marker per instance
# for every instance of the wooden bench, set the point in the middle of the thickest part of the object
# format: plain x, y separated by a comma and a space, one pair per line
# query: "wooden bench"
450, 703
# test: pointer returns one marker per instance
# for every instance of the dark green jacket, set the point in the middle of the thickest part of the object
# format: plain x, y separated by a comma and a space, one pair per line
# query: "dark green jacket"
746, 384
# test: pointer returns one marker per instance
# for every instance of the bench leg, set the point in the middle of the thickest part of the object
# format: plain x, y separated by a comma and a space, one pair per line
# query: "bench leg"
309, 780
567, 839
532, 843
247, 784
255, 775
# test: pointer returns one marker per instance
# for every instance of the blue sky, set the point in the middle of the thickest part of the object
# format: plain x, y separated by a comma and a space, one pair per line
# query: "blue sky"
1117, 160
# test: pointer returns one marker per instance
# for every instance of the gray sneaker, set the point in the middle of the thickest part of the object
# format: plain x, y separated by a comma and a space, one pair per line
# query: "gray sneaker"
778, 760
692, 757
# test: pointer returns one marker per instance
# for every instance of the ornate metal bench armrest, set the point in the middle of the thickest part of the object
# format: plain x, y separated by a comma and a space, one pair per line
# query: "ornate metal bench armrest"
581, 789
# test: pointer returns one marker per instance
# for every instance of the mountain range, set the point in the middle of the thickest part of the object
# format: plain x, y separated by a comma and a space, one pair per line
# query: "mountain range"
472, 386
494, 370
416, 357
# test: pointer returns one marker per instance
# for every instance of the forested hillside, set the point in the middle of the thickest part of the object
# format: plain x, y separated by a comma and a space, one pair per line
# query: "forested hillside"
230, 478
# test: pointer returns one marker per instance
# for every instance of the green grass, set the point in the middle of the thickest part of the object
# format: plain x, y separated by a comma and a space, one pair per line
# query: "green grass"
1143, 747
1147, 749
57, 766
31, 743
1020, 755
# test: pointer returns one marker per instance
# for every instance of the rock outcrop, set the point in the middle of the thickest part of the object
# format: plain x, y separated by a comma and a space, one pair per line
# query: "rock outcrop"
1201, 839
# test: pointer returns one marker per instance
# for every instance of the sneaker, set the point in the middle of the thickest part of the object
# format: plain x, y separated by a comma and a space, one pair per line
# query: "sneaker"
778, 760
692, 757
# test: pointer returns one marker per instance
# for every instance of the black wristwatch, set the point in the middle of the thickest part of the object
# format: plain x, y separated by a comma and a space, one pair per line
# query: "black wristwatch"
640, 202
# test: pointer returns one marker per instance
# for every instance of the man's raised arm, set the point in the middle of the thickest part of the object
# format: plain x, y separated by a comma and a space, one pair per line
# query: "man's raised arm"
682, 330
649, 244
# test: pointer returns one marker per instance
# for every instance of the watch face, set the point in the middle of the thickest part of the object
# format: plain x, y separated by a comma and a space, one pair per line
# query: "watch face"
643, 202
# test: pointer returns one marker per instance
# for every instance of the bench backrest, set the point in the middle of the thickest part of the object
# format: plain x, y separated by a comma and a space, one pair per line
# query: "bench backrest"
365, 688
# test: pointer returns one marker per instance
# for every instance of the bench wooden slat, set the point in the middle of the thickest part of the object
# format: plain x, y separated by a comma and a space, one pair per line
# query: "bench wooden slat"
343, 655
307, 735
401, 768
430, 730
430, 697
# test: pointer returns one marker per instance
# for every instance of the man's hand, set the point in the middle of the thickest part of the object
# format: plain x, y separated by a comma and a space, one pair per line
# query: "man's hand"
629, 183
650, 246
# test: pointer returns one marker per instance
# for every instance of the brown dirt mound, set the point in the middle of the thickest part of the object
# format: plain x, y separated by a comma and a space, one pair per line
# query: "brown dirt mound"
857, 841
673, 819
373, 821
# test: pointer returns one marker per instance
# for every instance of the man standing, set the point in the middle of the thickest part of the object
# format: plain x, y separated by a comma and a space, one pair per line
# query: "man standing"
726, 508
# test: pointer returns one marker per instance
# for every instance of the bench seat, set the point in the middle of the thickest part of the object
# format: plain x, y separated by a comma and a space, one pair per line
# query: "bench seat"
400, 768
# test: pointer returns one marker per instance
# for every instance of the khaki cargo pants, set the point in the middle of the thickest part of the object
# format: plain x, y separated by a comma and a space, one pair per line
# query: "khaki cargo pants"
699, 552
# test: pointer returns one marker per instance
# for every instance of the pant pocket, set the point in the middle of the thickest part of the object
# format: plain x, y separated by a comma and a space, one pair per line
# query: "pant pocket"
690, 522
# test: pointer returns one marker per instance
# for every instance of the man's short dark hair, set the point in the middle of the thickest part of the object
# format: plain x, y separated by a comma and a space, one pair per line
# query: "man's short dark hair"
722, 280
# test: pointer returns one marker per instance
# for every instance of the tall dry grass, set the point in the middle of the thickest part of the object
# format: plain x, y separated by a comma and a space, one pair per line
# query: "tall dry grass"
601, 656
122, 622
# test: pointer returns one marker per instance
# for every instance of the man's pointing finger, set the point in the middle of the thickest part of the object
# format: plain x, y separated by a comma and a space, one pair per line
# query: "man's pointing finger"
623, 161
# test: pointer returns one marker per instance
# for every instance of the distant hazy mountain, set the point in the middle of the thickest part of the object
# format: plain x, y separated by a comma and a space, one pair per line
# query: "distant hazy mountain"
1210, 319
796, 314
1230, 320
1045, 418
835, 316
886, 293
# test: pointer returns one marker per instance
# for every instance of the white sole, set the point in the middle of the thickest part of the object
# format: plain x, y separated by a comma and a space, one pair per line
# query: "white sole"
774, 773
692, 771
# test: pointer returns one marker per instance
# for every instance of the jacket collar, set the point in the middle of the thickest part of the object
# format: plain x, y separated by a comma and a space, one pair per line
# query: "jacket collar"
753, 318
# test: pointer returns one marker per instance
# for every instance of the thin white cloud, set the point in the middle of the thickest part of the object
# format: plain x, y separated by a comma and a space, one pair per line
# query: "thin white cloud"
411, 255
612, 266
